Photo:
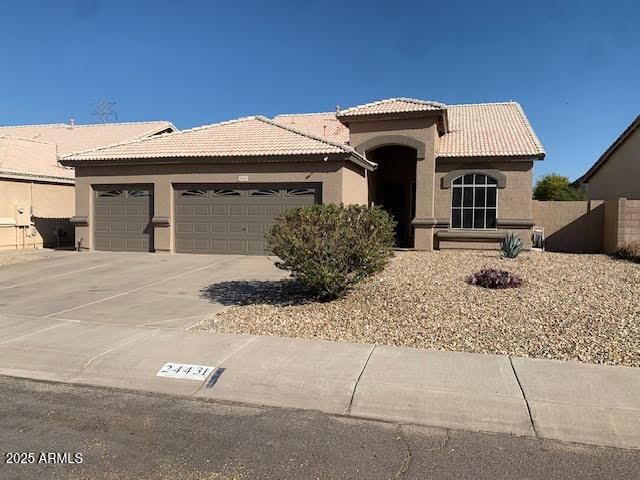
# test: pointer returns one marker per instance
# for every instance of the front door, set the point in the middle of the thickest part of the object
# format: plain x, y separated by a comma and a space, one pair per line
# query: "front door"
398, 200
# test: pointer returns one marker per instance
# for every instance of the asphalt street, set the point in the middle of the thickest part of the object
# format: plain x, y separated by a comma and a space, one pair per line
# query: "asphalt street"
126, 435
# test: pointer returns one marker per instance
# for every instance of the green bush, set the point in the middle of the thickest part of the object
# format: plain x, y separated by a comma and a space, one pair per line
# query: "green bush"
556, 187
629, 251
330, 248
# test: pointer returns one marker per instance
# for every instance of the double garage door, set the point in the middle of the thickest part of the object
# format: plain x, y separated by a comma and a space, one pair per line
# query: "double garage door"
209, 218
233, 218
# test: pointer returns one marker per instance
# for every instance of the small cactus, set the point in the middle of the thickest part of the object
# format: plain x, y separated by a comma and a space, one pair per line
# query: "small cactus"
511, 245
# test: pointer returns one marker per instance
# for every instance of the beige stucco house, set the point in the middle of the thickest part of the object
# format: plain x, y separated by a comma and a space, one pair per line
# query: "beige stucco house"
453, 176
37, 195
616, 174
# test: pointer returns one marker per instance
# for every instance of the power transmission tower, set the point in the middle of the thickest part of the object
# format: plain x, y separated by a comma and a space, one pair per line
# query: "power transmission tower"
104, 111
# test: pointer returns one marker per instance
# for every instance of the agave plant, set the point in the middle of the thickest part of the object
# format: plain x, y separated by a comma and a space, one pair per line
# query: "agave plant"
511, 245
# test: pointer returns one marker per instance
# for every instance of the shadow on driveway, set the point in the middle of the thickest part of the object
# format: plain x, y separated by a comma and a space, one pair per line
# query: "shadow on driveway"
257, 292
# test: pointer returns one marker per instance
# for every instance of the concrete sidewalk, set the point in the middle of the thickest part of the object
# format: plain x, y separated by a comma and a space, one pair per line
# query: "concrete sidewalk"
561, 400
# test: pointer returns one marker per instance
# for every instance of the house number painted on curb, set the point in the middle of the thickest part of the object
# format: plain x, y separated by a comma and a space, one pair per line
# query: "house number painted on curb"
184, 370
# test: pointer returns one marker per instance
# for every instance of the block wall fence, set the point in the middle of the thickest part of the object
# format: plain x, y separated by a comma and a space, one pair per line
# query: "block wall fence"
591, 226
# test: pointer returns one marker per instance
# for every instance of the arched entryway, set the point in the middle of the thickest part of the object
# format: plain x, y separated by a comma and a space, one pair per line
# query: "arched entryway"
393, 187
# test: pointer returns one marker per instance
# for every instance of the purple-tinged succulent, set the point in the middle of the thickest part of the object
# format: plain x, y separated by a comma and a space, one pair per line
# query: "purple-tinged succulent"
492, 278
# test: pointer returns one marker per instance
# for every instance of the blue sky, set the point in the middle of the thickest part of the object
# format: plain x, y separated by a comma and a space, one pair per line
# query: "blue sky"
574, 66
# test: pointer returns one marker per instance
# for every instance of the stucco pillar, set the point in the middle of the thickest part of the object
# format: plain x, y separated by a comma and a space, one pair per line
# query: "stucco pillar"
162, 221
83, 218
422, 224
424, 220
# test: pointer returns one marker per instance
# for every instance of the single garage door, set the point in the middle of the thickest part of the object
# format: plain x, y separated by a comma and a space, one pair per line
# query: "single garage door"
122, 218
234, 218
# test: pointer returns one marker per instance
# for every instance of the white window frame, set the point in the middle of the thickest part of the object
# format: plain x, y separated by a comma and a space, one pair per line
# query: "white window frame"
473, 208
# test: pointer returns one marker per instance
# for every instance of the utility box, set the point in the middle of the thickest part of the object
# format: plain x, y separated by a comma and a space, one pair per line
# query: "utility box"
23, 216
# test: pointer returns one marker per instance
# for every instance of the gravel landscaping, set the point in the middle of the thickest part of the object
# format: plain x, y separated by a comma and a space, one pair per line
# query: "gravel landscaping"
570, 307
14, 258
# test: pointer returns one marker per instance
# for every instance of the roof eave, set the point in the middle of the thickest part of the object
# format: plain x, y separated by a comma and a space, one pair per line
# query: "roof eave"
526, 156
609, 151
37, 178
354, 157
346, 119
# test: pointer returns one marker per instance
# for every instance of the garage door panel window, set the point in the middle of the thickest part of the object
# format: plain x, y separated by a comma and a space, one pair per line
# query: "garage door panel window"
194, 193
474, 199
264, 193
109, 193
297, 192
226, 193
139, 193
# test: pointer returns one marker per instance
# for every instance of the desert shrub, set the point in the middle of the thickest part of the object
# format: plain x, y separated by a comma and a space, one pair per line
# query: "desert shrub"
629, 251
511, 245
330, 248
491, 278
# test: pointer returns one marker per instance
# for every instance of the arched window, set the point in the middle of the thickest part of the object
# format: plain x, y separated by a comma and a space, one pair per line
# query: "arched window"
474, 201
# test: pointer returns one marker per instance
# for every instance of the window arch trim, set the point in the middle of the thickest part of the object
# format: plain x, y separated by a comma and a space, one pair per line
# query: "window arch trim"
389, 140
501, 178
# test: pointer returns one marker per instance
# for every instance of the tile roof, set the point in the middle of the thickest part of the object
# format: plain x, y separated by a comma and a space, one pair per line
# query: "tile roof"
31, 158
475, 130
489, 129
392, 105
84, 137
323, 125
243, 137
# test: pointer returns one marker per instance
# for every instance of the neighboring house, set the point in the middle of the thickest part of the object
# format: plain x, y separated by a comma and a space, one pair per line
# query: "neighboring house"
37, 193
453, 176
616, 174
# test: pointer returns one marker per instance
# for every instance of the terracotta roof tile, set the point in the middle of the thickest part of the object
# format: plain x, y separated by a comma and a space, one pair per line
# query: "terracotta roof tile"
323, 125
25, 157
475, 130
243, 137
33, 150
84, 137
489, 129
392, 105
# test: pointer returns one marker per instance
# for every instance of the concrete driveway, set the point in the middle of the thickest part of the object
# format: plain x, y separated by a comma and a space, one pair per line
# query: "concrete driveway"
127, 288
